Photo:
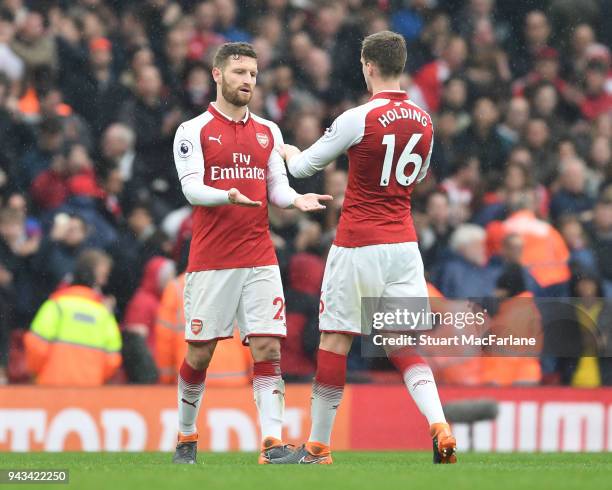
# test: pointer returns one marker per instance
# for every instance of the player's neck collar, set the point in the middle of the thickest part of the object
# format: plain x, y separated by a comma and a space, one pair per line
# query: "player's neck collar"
212, 107
390, 94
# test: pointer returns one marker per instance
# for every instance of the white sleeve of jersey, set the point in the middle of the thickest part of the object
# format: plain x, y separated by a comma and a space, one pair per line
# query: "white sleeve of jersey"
280, 193
425, 166
346, 131
189, 161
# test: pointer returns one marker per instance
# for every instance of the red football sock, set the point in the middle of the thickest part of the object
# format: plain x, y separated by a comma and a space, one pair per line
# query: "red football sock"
191, 375
331, 368
405, 358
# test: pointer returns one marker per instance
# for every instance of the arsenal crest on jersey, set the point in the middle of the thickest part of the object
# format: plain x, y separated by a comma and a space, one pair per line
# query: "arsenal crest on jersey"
196, 326
263, 139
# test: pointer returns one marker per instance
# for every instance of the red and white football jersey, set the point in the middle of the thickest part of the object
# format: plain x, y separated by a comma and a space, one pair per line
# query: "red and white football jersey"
389, 141
222, 153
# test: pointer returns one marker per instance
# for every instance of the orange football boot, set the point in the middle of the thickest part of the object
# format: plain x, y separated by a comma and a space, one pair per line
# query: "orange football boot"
444, 444
272, 448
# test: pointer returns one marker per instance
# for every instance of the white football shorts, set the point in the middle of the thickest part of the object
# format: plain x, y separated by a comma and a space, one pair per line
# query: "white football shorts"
390, 270
252, 297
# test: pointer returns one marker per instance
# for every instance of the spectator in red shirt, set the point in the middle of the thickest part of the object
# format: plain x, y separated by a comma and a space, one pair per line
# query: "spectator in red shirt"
49, 189
139, 321
596, 100
205, 38
432, 76
69, 173
547, 68
305, 277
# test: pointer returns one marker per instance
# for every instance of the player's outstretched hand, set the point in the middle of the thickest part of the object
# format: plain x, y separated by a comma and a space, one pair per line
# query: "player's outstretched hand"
236, 197
310, 202
289, 151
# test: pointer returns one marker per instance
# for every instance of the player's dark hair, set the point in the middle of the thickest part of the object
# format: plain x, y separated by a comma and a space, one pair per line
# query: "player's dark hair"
228, 50
387, 50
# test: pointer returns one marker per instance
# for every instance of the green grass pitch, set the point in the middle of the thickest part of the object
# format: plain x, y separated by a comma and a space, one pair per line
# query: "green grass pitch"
351, 470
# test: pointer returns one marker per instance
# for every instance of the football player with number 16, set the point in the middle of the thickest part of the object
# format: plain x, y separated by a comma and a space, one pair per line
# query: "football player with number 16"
375, 253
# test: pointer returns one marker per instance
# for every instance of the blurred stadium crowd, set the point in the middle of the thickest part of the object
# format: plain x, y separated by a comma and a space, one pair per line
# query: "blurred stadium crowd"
519, 196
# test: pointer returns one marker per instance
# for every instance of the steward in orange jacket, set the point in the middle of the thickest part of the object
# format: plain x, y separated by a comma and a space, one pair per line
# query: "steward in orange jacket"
518, 315
74, 340
545, 255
